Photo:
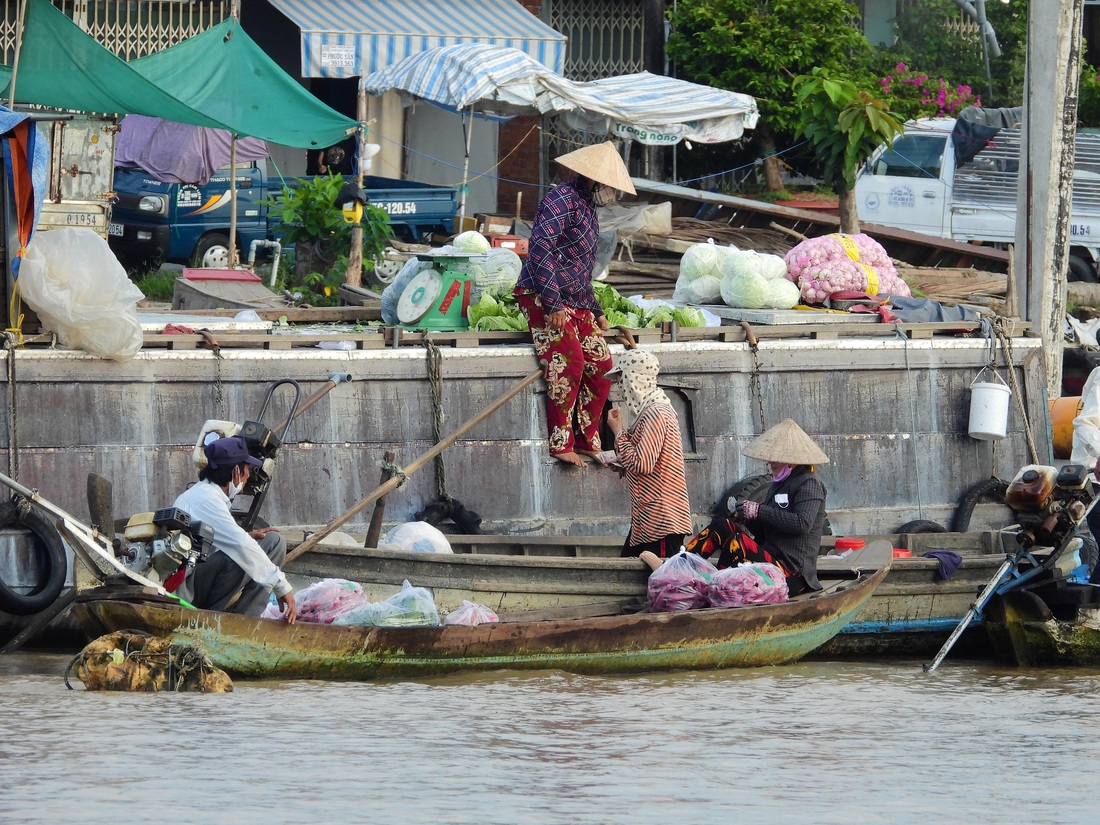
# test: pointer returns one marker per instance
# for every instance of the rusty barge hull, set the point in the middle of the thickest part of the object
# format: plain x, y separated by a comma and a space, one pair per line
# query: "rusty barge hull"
891, 412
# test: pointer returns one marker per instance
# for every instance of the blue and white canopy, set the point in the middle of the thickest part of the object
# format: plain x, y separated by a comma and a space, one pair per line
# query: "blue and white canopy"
505, 82
492, 80
352, 38
652, 109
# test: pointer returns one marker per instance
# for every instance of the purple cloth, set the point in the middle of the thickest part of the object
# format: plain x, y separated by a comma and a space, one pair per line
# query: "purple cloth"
562, 250
949, 562
178, 153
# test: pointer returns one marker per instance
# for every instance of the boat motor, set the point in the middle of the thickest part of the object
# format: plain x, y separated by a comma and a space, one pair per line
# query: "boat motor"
158, 544
1049, 503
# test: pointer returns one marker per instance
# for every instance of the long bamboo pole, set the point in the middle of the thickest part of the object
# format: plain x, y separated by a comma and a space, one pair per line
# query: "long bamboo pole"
393, 483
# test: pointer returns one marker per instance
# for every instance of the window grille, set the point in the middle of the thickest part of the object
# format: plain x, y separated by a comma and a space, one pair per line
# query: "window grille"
129, 29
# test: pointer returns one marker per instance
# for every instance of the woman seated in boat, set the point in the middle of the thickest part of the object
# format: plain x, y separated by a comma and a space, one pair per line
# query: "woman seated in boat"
650, 452
786, 528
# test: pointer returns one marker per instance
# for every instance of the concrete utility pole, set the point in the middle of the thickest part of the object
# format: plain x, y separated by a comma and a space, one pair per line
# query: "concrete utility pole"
1046, 181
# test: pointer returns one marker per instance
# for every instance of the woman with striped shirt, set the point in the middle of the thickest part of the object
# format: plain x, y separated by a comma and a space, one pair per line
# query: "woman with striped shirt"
651, 454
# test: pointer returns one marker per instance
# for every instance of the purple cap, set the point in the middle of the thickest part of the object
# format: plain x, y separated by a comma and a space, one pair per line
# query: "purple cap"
229, 452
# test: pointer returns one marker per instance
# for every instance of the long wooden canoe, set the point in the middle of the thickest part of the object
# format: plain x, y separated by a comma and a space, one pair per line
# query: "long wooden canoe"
602, 644
911, 614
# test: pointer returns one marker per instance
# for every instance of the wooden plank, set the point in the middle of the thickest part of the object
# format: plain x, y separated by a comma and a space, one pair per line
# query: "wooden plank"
293, 315
581, 611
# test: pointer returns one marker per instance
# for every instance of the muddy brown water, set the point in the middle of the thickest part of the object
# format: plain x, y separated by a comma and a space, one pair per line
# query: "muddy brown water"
816, 742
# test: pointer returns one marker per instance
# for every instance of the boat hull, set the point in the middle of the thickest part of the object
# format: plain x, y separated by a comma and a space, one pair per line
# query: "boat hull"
1024, 630
700, 639
911, 614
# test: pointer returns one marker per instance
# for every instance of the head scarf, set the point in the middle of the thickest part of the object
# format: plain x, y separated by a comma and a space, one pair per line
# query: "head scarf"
639, 381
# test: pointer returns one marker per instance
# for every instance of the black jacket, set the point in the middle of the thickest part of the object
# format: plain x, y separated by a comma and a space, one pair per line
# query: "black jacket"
791, 522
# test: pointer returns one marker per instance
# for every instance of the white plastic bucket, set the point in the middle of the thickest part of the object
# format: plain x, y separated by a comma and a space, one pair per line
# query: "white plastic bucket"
989, 408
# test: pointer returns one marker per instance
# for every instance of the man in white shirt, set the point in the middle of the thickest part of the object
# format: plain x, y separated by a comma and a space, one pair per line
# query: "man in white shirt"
242, 562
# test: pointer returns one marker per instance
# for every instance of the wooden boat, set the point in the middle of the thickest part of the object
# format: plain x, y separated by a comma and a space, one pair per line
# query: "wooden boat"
599, 639
911, 614
1056, 625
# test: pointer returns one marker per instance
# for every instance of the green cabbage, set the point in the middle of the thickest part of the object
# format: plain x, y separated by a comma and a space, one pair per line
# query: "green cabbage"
707, 290
486, 307
748, 291
688, 317
473, 242
740, 264
772, 267
699, 261
783, 294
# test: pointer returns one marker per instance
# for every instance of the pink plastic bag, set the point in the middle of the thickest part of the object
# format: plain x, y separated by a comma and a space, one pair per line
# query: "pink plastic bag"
753, 583
680, 583
470, 614
322, 601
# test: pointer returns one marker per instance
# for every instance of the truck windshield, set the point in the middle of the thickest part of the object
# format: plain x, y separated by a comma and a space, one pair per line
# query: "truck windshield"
913, 156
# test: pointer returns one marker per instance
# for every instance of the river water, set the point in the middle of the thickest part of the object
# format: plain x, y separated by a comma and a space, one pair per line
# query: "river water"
815, 742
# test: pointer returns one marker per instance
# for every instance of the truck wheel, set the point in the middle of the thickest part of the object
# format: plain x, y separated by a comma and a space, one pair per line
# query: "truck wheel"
212, 251
1081, 271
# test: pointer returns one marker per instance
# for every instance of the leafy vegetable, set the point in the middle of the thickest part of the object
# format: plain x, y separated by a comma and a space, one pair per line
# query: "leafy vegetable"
473, 242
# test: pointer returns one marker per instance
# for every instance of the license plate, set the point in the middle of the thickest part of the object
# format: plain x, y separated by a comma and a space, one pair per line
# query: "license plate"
114, 229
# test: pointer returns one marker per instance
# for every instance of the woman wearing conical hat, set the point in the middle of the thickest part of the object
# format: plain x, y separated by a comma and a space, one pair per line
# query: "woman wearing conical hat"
555, 293
786, 528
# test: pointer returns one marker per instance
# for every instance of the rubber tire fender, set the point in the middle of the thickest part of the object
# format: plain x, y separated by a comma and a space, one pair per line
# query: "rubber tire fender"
1080, 271
51, 552
920, 526
993, 488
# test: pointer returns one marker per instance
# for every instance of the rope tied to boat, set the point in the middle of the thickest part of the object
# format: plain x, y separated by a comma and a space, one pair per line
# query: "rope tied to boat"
11, 342
394, 471
997, 333
435, 380
22, 506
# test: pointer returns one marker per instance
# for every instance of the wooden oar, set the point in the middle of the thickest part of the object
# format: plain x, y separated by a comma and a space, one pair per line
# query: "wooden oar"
393, 483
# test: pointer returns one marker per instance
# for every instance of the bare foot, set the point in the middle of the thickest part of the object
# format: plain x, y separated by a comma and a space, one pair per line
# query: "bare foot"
571, 458
589, 453
652, 559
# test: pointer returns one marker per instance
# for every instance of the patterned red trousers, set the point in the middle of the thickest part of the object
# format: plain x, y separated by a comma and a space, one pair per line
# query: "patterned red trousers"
575, 362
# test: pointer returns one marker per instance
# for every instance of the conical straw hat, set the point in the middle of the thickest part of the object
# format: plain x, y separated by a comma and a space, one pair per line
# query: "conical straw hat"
600, 163
785, 443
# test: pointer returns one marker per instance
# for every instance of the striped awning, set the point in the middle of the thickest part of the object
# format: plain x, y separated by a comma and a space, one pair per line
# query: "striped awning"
652, 109
502, 82
351, 38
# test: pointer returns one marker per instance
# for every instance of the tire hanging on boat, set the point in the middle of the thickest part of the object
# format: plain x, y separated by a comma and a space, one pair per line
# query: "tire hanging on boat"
992, 488
53, 564
920, 526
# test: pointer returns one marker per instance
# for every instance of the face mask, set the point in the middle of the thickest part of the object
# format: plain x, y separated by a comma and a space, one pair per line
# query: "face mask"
605, 195
235, 488
782, 473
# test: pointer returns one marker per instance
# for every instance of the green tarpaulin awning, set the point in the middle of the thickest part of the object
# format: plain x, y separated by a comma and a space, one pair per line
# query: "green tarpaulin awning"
219, 78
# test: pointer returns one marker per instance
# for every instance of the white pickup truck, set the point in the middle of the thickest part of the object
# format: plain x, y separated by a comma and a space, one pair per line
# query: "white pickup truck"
914, 184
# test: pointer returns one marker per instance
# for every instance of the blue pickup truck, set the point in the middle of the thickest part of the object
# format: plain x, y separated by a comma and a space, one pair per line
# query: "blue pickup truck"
151, 220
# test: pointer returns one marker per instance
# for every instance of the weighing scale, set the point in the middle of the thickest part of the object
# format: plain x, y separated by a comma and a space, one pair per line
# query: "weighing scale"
437, 298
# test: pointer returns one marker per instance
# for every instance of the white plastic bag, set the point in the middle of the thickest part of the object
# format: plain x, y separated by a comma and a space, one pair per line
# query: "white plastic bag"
412, 607
73, 280
417, 537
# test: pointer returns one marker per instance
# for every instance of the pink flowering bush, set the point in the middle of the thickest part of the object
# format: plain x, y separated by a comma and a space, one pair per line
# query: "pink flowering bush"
914, 94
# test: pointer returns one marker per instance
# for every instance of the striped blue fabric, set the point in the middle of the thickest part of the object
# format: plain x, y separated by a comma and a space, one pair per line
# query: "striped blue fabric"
502, 81
352, 38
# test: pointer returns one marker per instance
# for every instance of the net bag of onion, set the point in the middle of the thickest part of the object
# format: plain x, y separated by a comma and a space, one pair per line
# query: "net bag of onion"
680, 583
835, 263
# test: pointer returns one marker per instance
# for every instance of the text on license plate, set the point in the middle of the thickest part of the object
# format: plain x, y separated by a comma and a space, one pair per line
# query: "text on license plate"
114, 229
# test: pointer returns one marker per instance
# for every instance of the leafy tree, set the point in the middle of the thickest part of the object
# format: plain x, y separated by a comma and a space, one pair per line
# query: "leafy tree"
926, 45
844, 126
758, 47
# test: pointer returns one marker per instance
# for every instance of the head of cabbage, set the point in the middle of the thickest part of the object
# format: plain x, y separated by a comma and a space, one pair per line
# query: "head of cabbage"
472, 242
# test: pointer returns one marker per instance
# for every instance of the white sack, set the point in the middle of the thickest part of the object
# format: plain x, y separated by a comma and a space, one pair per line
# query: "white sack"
1086, 426
417, 537
74, 282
